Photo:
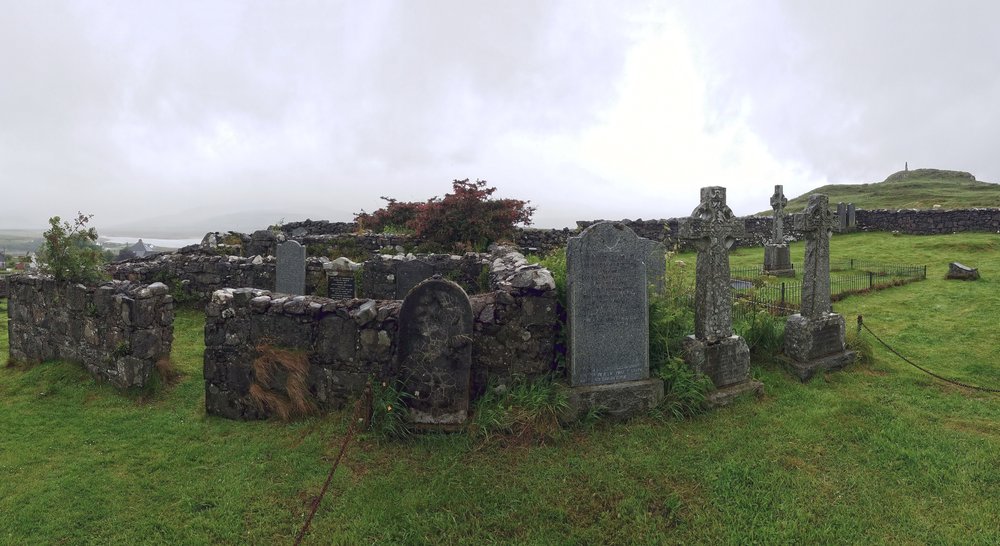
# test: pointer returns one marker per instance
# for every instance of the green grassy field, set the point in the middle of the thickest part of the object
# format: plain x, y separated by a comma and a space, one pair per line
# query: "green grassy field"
917, 189
878, 453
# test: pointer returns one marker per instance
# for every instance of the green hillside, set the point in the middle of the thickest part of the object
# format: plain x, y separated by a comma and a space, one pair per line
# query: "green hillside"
916, 189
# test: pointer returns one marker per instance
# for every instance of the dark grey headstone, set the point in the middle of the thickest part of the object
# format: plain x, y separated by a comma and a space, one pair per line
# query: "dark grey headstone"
340, 287
607, 306
411, 273
290, 270
852, 221
841, 217
435, 352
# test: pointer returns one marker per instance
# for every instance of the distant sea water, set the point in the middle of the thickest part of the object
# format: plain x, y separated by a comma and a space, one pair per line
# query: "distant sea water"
158, 243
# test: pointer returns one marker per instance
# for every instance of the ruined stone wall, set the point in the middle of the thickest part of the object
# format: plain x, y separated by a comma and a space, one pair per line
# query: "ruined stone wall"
195, 276
929, 222
117, 330
470, 271
345, 342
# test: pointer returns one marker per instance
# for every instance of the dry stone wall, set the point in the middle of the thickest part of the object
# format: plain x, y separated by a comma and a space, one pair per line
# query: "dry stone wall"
344, 342
929, 222
118, 330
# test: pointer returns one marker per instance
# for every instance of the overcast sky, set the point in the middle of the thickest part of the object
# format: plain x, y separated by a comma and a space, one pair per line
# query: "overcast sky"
135, 110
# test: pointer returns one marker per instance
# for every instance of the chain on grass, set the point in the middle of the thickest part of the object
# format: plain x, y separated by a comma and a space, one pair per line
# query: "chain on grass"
861, 325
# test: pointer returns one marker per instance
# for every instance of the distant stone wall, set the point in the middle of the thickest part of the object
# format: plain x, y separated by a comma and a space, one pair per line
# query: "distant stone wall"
344, 342
194, 277
118, 330
929, 222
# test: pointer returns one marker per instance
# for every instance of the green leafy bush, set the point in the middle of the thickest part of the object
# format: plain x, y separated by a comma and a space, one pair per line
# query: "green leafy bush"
70, 251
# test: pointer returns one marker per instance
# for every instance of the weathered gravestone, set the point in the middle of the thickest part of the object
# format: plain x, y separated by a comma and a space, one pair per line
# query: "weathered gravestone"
656, 264
608, 322
814, 337
852, 220
962, 272
777, 256
841, 225
714, 350
411, 273
435, 353
290, 270
340, 281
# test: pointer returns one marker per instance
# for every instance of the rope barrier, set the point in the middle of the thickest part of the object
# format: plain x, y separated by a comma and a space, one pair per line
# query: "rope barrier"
861, 325
360, 415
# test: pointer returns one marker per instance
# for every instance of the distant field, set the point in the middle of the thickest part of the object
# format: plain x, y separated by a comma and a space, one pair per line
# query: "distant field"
918, 189
20, 241
878, 453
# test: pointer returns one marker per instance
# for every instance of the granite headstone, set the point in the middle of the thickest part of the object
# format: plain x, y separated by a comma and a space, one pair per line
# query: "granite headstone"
290, 270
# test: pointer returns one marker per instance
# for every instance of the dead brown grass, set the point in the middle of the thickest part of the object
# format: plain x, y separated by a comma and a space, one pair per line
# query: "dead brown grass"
295, 401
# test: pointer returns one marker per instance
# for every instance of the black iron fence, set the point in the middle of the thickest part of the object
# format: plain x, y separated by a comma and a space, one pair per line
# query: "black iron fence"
752, 294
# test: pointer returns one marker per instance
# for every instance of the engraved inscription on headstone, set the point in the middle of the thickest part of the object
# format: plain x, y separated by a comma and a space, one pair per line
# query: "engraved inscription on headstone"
607, 306
409, 274
290, 274
435, 352
340, 287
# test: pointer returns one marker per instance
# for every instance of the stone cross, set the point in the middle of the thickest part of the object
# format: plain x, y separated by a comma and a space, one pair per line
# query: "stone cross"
712, 229
778, 202
816, 223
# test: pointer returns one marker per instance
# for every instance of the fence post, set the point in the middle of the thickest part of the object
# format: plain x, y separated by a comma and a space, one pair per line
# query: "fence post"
782, 294
925, 272
852, 264
871, 279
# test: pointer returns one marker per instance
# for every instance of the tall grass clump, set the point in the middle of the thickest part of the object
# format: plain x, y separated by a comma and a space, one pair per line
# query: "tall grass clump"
764, 334
524, 413
389, 413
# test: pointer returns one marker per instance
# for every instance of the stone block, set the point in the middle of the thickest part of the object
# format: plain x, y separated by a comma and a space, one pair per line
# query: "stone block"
778, 260
962, 272
619, 401
726, 395
815, 345
725, 362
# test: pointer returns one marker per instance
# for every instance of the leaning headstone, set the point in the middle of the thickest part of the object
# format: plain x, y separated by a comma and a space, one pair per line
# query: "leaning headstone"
852, 221
777, 255
608, 323
962, 272
714, 350
435, 353
290, 270
656, 264
815, 337
841, 225
411, 273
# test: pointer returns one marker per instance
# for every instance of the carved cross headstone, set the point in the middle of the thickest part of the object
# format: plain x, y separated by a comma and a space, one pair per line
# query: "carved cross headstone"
712, 229
435, 352
816, 223
290, 274
778, 203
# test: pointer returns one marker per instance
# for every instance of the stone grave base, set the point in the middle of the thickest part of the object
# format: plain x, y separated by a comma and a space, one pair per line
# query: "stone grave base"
722, 397
618, 401
725, 362
816, 345
778, 261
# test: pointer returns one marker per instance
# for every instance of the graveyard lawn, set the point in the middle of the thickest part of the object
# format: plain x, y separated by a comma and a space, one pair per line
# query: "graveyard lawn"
877, 453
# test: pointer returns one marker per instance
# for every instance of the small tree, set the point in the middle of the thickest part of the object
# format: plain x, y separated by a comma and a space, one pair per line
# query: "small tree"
466, 219
70, 251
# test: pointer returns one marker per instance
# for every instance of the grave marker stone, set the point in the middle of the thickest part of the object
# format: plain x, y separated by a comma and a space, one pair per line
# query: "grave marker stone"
815, 337
714, 350
411, 273
656, 264
841, 218
341, 287
777, 256
852, 221
290, 269
608, 322
435, 353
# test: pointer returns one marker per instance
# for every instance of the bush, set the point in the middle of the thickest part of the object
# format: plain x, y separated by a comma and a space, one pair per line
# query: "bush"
70, 251
466, 219
684, 390
764, 334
